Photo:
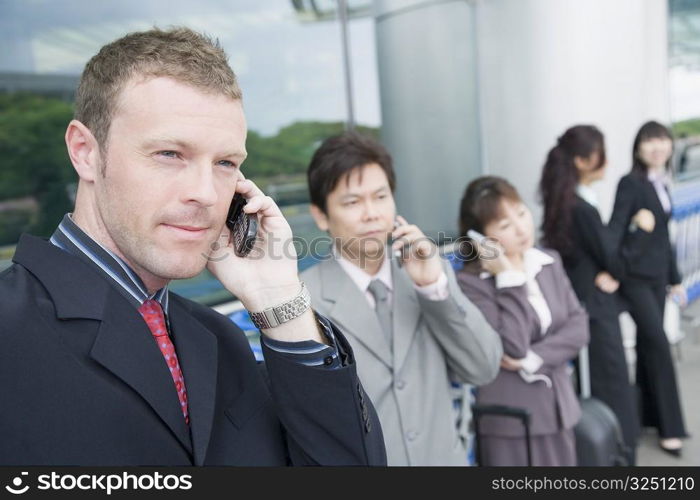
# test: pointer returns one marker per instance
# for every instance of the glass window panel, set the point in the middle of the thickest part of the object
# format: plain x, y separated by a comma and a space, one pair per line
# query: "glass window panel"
289, 65
684, 82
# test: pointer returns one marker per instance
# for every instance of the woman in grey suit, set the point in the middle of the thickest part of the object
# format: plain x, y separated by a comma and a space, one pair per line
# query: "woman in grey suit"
526, 296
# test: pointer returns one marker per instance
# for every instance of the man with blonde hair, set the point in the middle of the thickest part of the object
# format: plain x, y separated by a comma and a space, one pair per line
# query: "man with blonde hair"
100, 363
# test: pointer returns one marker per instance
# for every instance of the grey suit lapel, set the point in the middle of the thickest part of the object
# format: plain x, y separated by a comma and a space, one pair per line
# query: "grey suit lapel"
349, 309
546, 281
406, 314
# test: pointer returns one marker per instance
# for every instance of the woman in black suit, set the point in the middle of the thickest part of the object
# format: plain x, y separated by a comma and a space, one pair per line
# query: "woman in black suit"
650, 272
572, 226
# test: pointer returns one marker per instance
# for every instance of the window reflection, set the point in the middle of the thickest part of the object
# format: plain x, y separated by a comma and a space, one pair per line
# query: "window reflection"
290, 69
684, 80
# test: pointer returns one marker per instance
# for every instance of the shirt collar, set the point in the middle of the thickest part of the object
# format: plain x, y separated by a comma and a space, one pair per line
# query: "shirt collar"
588, 194
657, 176
534, 260
361, 278
69, 237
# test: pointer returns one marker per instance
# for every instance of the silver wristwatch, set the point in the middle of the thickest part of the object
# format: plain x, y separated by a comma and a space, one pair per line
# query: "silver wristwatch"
287, 311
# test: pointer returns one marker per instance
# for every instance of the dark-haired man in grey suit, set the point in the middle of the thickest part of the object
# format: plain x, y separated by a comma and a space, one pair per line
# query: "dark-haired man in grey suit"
411, 328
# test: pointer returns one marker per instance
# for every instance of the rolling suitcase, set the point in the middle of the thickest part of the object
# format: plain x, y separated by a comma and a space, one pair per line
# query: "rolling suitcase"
598, 434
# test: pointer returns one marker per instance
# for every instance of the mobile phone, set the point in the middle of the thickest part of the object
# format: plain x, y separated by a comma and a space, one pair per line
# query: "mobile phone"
476, 236
243, 226
395, 254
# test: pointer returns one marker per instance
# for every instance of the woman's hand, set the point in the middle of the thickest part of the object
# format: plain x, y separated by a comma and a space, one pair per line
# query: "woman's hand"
678, 294
645, 220
510, 364
606, 282
493, 259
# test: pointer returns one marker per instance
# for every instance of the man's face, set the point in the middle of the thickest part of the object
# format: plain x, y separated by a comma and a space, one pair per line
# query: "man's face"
170, 173
360, 212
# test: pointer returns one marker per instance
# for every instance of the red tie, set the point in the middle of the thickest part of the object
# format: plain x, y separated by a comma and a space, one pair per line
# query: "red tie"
153, 314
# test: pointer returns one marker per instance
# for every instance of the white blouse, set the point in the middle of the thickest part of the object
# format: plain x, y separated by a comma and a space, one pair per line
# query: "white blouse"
533, 262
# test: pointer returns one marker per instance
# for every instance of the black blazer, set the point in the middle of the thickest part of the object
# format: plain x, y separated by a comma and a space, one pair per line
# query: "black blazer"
82, 382
592, 251
646, 256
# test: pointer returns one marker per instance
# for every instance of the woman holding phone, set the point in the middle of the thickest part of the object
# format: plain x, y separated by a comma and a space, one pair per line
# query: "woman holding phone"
524, 294
650, 274
572, 225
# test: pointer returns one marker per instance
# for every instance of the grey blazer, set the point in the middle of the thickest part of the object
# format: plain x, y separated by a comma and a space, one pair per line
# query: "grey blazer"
510, 313
409, 383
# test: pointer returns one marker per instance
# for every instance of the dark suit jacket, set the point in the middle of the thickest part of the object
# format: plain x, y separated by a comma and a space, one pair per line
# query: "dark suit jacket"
83, 382
509, 312
592, 251
647, 256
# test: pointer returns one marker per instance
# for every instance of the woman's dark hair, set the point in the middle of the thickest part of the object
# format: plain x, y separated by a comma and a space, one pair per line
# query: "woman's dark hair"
481, 202
650, 130
560, 178
337, 157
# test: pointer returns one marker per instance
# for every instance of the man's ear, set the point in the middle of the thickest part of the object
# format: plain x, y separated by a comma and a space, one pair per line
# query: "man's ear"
320, 218
83, 151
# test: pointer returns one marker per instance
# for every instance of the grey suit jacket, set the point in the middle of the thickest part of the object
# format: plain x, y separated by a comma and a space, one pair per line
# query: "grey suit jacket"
510, 313
409, 383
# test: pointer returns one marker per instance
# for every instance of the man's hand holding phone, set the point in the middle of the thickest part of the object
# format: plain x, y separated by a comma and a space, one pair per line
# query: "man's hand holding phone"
268, 276
421, 258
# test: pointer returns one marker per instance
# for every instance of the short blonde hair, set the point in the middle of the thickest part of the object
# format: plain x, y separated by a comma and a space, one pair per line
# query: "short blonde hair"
179, 53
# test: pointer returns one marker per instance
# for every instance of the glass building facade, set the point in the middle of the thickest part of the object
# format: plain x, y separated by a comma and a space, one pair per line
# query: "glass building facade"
288, 56
306, 73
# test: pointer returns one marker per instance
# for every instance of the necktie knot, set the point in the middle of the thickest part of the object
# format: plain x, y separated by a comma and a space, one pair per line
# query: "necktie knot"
379, 290
152, 313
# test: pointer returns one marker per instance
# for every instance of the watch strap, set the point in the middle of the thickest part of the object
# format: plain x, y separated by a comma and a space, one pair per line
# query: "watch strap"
284, 312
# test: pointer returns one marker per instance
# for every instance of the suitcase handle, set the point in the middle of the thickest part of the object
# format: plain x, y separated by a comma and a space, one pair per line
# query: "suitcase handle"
521, 414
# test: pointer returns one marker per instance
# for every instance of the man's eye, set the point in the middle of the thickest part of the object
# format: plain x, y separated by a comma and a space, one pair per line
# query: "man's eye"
350, 202
168, 154
227, 164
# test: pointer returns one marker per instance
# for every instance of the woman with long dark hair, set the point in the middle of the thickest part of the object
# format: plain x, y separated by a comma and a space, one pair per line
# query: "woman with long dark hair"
572, 226
523, 292
650, 273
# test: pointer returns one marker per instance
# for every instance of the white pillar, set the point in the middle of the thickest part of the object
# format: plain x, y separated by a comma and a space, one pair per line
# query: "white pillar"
550, 64
427, 76
488, 85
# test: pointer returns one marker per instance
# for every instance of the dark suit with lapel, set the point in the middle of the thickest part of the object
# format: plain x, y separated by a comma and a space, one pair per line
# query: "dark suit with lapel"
592, 251
84, 383
649, 266
553, 409
646, 256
